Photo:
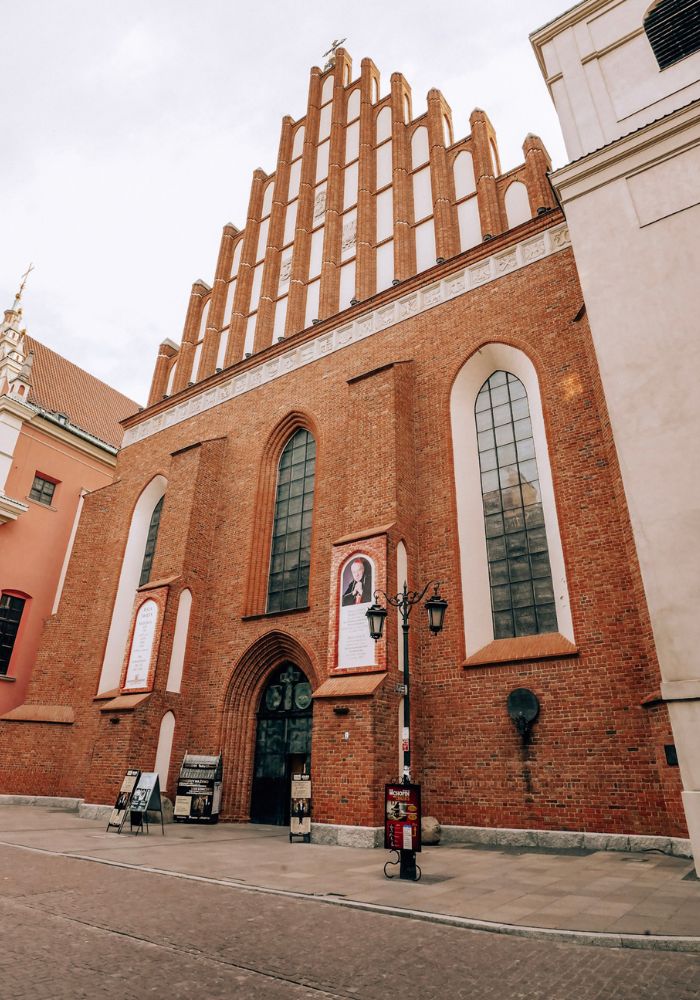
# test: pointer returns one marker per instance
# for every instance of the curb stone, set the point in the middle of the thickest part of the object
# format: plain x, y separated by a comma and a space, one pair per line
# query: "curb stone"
600, 939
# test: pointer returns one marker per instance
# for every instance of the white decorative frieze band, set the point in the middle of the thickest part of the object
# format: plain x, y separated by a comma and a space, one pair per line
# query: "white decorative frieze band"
489, 269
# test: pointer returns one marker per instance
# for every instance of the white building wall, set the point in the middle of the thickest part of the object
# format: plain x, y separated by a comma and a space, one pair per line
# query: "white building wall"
633, 209
603, 76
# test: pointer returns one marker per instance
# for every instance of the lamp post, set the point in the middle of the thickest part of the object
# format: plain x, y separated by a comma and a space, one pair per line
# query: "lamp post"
376, 616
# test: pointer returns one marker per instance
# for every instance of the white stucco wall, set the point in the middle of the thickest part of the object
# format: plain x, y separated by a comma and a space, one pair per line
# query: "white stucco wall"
643, 298
603, 75
633, 209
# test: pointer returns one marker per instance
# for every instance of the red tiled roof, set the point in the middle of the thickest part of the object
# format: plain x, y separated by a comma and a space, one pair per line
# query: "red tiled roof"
61, 387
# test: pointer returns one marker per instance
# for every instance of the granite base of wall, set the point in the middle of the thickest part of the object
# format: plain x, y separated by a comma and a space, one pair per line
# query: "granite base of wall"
564, 840
347, 836
91, 810
48, 801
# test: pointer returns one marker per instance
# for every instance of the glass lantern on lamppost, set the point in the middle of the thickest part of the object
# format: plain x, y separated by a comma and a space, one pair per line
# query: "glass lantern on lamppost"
404, 601
376, 616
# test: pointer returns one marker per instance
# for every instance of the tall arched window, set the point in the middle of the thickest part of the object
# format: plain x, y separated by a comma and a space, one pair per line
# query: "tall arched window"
673, 30
130, 578
151, 540
520, 576
290, 559
511, 557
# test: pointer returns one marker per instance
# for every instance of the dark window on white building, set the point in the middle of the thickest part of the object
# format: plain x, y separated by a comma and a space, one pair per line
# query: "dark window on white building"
673, 30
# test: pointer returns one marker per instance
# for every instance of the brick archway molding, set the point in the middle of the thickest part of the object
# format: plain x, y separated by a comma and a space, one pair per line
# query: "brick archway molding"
238, 724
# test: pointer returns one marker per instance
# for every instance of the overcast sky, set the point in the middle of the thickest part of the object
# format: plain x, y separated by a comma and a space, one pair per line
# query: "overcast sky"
130, 132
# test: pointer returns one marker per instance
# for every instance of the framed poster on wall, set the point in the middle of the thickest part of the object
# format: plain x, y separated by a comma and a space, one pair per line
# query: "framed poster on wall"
139, 667
357, 572
356, 648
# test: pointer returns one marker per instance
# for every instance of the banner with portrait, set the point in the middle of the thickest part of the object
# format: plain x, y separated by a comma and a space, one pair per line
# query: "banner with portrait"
356, 648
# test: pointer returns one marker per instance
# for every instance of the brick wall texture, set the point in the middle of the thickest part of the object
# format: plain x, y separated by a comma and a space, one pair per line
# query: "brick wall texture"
596, 759
379, 411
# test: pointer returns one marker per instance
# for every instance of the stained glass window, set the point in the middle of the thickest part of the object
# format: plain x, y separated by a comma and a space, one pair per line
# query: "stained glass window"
151, 540
290, 559
522, 595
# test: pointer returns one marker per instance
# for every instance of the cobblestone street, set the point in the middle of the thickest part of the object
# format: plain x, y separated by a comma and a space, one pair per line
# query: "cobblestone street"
75, 929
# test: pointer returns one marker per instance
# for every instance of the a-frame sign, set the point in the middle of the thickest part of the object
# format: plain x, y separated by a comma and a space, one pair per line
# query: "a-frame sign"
144, 799
121, 806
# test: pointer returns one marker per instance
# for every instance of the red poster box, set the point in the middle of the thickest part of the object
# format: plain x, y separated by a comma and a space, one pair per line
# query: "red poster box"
402, 817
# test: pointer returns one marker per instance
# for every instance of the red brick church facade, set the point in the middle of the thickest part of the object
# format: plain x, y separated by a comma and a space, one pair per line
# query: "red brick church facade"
394, 365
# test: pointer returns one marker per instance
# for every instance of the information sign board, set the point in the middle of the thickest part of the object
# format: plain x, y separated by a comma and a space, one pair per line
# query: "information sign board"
300, 807
199, 788
402, 817
146, 795
145, 798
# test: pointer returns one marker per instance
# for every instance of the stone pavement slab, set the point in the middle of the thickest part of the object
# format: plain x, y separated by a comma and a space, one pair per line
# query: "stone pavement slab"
73, 930
601, 892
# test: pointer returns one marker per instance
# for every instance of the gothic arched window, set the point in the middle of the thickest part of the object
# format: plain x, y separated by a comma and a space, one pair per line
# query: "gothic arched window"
520, 576
151, 540
135, 563
290, 558
673, 30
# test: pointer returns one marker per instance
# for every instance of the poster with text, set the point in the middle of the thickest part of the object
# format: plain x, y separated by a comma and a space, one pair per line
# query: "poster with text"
199, 788
146, 795
139, 665
356, 647
300, 806
402, 817
124, 798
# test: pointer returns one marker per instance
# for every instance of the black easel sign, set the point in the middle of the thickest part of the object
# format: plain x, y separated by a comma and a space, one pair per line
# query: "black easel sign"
121, 806
144, 799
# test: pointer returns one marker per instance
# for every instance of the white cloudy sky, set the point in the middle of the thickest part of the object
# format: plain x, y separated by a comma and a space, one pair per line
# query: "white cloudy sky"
130, 132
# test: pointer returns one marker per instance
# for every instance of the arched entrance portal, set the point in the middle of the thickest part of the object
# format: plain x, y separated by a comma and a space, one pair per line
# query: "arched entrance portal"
282, 743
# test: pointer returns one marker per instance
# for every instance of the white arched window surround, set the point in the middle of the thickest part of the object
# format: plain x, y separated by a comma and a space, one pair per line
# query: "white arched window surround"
401, 578
177, 656
165, 749
517, 204
478, 622
128, 583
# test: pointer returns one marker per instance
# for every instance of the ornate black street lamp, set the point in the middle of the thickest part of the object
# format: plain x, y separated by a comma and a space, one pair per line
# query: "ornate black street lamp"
376, 616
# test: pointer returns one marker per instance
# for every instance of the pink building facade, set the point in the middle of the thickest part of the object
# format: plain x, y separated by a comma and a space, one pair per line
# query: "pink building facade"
59, 436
